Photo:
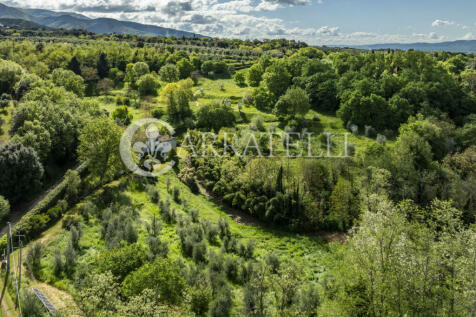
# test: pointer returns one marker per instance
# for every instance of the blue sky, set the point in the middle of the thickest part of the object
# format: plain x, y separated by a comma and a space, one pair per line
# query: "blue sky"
321, 22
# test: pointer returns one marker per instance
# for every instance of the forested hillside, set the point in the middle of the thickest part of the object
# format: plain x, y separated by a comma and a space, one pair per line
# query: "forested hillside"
363, 205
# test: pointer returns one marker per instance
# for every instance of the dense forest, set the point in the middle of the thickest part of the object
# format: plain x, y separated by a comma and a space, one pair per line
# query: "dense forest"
240, 235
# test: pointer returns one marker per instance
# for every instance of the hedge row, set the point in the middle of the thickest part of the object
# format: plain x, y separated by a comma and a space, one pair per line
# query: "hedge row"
39, 217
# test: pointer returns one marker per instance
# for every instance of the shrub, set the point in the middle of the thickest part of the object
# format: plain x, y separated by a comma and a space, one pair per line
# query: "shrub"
246, 250
21, 171
231, 268
257, 124
70, 257
58, 264
169, 73
121, 262
272, 260
163, 276
31, 306
157, 248
4, 208
221, 305
194, 214
88, 209
199, 252
148, 85
153, 193
122, 116
200, 300
70, 221
215, 262
240, 79
176, 195
75, 236
33, 258
223, 227
157, 113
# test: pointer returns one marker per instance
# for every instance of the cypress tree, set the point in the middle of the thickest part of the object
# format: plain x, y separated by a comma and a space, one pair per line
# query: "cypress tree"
102, 66
74, 65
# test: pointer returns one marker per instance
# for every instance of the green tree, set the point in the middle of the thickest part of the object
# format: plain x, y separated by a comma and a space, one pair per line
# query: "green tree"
277, 79
102, 66
163, 276
295, 102
169, 73
215, 116
208, 67
177, 97
99, 147
35, 136
185, 68
254, 75
69, 80
74, 65
344, 204
10, 74
73, 183
22, 171
148, 85
99, 294
263, 99
240, 79
122, 116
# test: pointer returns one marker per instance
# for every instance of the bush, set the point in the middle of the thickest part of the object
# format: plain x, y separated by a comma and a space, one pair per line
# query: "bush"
215, 116
169, 73
257, 124
33, 258
240, 79
231, 268
199, 252
58, 264
194, 214
148, 85
75, 237
153, 193
22, 171
221, 305
4, 208
122, 116
70, 257
163, 276
157, 113
121, 262
157, 248
31, 306
223, 227
246, 250
200, 300
176, 195
70, 221
272, 260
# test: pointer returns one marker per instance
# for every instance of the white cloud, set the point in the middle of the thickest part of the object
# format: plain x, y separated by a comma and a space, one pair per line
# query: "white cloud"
243, 19
433, 36
439, 22
468, 36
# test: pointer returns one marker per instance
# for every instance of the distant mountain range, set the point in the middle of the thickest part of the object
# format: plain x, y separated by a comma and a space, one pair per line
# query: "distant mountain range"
462, 46
68, 20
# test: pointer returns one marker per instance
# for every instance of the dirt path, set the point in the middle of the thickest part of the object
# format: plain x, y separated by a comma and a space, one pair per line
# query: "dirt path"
243, 218
20, 210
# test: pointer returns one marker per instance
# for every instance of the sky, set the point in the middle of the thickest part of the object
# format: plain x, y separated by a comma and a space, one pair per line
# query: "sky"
317, 22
